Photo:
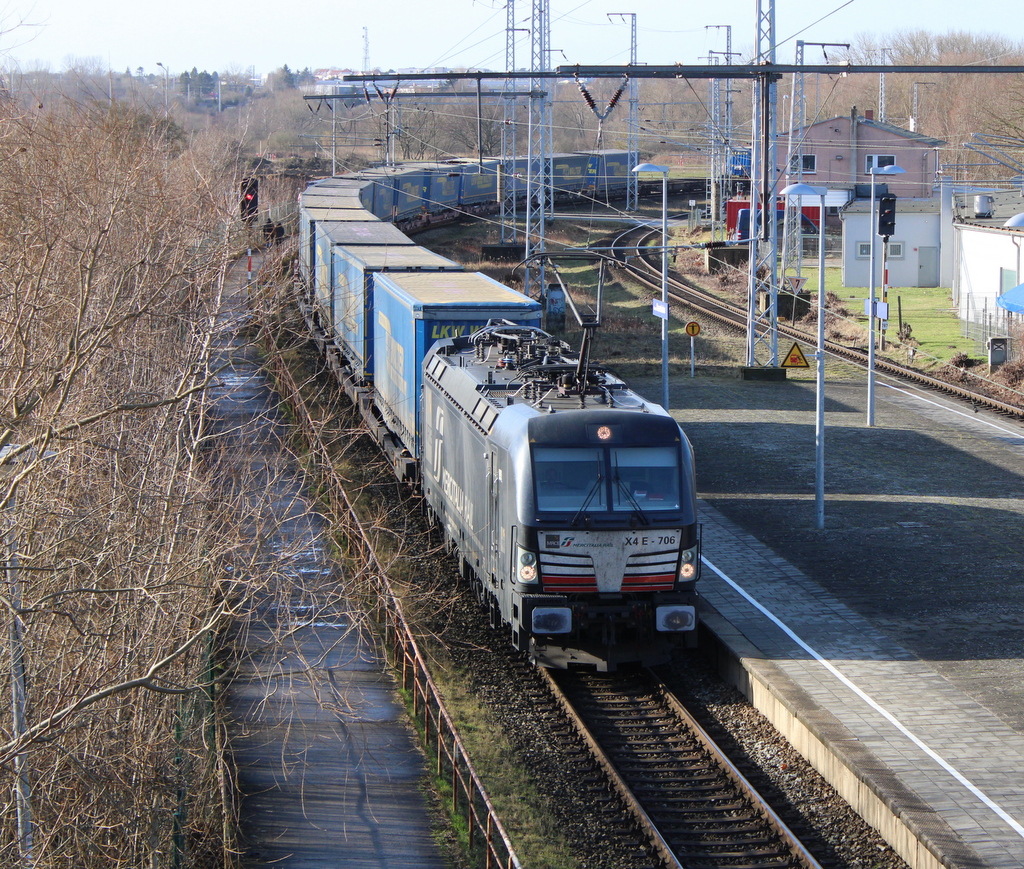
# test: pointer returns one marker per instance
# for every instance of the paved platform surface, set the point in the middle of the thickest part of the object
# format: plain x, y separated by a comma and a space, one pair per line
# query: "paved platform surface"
895, 636
328, 772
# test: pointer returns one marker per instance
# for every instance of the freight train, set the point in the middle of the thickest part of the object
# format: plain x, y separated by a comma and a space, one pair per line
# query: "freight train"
412, 195
568, 499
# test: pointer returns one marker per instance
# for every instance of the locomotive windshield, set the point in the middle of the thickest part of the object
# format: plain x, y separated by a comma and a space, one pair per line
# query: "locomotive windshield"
603, 479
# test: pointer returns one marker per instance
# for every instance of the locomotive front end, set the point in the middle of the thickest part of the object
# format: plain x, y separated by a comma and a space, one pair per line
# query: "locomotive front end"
610, 553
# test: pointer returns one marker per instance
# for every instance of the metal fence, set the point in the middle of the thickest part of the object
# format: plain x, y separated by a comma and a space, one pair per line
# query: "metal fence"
997, 323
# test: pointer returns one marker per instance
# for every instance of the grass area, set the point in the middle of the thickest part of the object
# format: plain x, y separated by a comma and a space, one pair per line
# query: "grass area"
935, 330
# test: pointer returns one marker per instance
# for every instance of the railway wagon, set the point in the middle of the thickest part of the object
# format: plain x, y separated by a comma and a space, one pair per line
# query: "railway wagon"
412, 312
345, 306
607, 173
569, 497
329, 236
329, 201
568, 175
444, 190
479, 181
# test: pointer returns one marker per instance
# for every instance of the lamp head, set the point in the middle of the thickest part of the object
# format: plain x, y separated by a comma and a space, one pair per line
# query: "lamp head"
803, 190
650, 167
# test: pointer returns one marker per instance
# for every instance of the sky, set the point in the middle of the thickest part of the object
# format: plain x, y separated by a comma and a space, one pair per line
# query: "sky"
230, 36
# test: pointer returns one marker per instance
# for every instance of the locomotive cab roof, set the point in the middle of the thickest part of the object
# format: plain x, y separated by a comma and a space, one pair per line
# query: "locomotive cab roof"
505, 363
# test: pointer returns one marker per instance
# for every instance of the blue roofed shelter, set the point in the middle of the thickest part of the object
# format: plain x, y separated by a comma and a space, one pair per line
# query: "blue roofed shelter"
1012, 300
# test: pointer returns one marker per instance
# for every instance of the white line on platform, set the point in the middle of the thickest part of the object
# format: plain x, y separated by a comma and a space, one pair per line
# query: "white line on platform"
1013, 432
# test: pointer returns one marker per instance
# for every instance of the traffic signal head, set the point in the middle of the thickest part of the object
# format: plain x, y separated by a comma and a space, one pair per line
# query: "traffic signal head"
886, 216
249, 203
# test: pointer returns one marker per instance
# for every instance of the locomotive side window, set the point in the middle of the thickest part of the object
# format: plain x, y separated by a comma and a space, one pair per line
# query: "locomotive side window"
645, 477
569, 478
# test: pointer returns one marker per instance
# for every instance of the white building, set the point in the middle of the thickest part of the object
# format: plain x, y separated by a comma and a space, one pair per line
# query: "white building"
913, 256
987, 257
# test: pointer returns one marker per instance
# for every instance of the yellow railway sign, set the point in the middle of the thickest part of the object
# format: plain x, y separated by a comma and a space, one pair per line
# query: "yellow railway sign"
795, 358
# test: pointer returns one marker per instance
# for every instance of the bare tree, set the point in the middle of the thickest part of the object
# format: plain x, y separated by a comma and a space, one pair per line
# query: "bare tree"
107, 270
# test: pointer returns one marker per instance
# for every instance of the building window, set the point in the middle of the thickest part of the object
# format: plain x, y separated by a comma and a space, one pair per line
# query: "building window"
810, 164
896, 250
877, 161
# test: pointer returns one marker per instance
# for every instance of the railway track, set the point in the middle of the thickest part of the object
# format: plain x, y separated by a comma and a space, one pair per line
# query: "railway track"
694, 804
561, 753
630, 254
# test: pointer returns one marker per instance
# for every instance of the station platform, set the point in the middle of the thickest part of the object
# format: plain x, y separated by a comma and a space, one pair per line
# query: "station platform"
889, 646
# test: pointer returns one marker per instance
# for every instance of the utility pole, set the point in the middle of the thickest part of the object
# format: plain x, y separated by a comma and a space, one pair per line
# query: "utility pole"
509, 183
721, 136
633, 122
11, 456
762, 280
539, 148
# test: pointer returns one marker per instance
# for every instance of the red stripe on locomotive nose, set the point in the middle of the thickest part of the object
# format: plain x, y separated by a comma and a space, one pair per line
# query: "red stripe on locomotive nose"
654, 582
570, 583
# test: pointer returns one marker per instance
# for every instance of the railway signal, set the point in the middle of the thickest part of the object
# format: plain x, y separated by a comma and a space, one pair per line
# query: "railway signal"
249, 204
886, 216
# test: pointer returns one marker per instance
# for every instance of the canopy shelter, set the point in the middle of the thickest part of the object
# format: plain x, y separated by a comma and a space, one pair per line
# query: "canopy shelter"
1012, 300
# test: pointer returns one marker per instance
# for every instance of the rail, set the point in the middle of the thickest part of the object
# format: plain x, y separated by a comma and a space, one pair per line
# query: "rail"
694, 804
468, 797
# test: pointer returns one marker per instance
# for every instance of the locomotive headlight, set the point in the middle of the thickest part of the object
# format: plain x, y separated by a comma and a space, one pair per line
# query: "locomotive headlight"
527, 566
688, 568
675, 618
552, 620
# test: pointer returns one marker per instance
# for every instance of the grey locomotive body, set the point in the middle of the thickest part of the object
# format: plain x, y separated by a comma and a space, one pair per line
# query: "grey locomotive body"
569, 498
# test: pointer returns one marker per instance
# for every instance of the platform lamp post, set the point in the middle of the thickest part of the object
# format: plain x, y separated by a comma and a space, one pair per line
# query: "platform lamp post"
873, 171
11, 457
800, 190
663, 170
164, 68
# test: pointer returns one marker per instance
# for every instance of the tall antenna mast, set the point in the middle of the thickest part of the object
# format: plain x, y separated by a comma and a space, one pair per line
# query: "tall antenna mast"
792, 250
366, 51
883, 59
721, 136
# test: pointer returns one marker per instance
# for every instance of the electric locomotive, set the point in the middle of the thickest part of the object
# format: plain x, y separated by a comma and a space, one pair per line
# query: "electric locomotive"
569, 497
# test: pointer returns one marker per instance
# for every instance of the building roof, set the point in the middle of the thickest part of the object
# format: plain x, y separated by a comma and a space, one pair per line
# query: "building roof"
903, 206
925, 141
916, 138
998, 206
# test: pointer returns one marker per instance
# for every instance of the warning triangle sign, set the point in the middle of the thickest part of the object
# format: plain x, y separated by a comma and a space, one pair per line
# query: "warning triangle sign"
795, 358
